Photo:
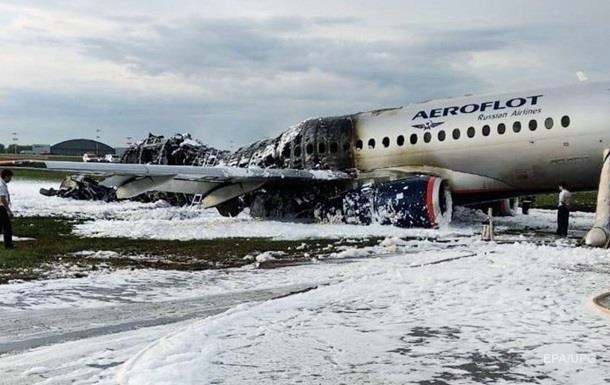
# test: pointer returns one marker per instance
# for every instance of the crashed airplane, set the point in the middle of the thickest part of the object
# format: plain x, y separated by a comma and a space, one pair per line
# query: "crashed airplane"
404, 166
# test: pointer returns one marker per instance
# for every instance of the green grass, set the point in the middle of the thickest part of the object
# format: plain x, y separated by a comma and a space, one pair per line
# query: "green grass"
54, 243
581, 201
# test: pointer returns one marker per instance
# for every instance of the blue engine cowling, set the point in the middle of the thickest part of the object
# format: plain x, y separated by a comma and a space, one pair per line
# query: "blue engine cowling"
416, 201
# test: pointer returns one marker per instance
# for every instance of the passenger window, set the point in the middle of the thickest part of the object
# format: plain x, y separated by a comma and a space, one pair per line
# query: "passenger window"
501, 128
321, 148
297, 152
517, 126
441, 135
485, 130
400, 140
533, 125
371, 143
309, 148
386, 142
413, 138
470, 132
565, 121
456, 133
334, 147
548, 123
427, 137
359, 144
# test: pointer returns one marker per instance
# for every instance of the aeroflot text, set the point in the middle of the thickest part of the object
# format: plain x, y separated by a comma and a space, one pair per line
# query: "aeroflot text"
470, 108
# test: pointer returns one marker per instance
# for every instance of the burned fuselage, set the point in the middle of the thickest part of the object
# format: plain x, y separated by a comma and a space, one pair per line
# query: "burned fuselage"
318, 144
315, 144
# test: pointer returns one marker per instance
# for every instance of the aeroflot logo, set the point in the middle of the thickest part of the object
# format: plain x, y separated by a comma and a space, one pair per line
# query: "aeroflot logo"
495, 106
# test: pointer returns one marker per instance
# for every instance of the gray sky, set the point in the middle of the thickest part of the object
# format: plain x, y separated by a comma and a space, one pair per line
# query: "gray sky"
235, 71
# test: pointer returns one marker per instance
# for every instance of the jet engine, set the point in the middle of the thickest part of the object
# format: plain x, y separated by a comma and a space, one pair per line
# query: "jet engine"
415, 201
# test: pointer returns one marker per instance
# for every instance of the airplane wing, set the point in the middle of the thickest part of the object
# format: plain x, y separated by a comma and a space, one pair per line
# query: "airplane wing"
216, 184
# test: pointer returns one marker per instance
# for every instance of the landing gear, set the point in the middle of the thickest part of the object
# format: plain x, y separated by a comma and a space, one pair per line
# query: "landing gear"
231, 208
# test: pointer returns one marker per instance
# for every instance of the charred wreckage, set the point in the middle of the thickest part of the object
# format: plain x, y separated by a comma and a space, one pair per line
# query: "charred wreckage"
314, 144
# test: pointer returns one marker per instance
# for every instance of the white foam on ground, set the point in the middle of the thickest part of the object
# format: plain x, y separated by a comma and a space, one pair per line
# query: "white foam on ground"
508, 314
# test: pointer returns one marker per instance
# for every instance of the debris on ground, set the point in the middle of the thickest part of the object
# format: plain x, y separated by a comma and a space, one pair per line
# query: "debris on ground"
82, 187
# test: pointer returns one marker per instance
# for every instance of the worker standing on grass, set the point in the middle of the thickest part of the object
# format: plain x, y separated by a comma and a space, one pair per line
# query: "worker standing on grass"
563, 210
5, 209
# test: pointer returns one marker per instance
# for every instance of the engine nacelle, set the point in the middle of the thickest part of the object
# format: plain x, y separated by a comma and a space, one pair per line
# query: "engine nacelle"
417, 201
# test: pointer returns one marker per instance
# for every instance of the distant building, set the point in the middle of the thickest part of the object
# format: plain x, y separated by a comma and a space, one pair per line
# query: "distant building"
41, 149
78, 147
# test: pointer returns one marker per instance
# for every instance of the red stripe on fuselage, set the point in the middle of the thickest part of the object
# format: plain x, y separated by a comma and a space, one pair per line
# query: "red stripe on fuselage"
430, 201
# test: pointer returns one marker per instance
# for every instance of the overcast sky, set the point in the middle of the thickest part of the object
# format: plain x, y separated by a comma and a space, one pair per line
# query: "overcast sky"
235, 71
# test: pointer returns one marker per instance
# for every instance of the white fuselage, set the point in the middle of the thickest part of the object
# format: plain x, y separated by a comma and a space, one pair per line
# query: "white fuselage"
534, 159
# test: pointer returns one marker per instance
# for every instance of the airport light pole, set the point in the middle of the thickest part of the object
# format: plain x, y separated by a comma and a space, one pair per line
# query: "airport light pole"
97, 139
15, 139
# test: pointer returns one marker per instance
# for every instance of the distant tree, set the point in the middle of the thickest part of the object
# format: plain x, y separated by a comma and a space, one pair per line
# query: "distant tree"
11, 148
2, 148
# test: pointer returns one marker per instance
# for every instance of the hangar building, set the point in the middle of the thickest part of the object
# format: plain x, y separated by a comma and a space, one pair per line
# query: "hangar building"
78, 147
